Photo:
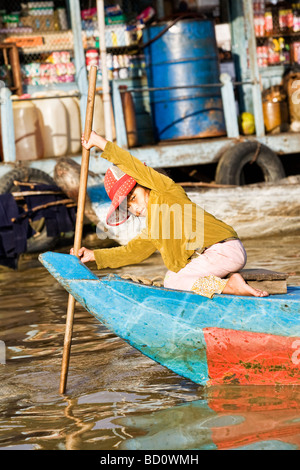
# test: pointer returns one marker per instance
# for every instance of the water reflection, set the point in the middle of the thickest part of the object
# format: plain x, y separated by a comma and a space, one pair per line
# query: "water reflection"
74, 439
230, 418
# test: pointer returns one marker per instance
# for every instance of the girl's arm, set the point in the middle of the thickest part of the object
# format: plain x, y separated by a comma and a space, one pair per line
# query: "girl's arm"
136, 251
144, 175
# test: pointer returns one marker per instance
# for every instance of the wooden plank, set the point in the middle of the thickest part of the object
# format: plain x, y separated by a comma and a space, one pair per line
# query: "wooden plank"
16, 69
177, 154
263, 279
272, 287
26, 42
262, 275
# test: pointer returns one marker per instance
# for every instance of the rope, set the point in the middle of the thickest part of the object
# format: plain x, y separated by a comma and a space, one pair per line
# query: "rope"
157, 281
256, 153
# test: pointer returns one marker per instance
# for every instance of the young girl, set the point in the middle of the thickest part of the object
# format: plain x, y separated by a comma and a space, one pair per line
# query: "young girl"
199, 250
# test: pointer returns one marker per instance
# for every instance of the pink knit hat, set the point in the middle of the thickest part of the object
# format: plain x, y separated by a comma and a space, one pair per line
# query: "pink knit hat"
117, 185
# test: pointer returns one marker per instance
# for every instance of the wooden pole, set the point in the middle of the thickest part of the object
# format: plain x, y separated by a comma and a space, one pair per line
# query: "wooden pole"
105, 81
253, 65
79, 222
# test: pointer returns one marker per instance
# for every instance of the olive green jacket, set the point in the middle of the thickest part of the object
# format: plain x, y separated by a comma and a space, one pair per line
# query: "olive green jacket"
175, 226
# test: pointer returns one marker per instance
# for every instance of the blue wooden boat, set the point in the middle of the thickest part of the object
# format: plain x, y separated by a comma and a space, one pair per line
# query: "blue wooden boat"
227, 340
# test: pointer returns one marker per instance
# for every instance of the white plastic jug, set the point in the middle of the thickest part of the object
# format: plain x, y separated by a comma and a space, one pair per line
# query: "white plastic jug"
28, 130
73, 123
98, 120
53, 114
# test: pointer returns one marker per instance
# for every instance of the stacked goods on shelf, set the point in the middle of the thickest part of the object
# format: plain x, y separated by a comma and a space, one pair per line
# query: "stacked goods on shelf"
121, 38
38, 29
277, 24
119, 65
39, 16
260, 18
10, 21
117, 32
33, 17
58, 68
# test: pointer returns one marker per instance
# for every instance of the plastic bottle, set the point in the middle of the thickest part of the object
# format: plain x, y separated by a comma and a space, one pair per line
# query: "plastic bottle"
284, 51
269, 22
296, 17
285, 16
273, 51
259, 18
91, 58
28, 130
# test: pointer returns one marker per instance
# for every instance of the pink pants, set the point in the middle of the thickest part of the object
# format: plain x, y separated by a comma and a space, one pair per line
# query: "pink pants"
219, 260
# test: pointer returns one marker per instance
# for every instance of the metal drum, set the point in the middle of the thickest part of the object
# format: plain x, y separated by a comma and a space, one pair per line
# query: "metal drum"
185, 55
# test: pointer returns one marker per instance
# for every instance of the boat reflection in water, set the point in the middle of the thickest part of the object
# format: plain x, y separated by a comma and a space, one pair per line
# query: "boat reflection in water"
241, 418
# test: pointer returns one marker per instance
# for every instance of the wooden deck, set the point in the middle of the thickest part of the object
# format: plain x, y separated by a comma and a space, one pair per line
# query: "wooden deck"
175, 153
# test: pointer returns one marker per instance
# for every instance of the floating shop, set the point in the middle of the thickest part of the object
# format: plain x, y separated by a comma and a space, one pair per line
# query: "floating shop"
179, 84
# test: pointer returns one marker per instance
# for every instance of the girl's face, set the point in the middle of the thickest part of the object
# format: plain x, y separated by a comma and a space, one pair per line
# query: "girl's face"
137, 202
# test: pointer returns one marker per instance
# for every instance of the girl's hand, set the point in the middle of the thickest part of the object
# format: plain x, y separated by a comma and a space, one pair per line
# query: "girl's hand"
84, 254
88, 144
94, 140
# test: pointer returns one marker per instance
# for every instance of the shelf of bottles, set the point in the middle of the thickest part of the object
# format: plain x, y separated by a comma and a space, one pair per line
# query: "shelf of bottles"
122, 37
277, 29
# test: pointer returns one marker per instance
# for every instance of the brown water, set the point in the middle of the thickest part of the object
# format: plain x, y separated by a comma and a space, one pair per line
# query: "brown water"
117, 398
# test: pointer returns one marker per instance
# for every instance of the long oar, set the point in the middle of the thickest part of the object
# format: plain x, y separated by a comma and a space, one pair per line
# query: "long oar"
79, 222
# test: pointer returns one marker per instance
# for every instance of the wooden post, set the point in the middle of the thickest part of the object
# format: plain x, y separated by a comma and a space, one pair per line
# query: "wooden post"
79, 56
105, 82
7, 125
79, 221
229, 106
255, 77
16, 69
119, 118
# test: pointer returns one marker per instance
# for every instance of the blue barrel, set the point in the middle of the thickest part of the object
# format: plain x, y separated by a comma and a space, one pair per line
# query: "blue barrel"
185, 55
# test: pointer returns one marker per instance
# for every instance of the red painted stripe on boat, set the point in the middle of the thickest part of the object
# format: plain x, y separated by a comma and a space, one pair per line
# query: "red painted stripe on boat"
246, 358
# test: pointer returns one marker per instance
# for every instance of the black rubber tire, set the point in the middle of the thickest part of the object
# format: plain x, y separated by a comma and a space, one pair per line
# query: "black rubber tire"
231, 165
40, 242
26, 175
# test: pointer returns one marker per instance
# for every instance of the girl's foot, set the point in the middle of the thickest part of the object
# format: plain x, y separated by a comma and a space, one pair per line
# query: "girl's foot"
236, 285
